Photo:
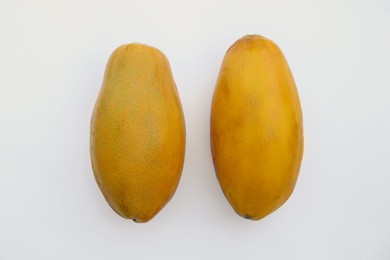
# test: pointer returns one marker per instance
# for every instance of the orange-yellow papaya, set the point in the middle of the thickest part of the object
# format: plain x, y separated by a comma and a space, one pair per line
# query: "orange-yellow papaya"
256, 127
137, 139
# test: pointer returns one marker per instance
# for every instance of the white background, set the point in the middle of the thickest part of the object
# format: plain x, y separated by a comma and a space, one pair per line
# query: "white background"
52, 58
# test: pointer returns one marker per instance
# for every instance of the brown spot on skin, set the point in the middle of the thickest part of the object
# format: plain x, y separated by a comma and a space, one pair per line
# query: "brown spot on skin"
247, 217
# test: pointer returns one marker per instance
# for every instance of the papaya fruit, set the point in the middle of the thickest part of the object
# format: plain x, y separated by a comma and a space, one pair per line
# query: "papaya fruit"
256, 127
137, 137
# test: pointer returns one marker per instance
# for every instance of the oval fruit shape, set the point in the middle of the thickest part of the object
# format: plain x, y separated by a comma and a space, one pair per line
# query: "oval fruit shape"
256, 127
137, 133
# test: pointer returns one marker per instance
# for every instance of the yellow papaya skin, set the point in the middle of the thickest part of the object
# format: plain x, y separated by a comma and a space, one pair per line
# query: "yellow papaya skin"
256, 128
137, 140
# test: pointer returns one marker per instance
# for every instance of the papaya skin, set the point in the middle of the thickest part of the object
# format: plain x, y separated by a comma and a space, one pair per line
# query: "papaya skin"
256, 128
137, 140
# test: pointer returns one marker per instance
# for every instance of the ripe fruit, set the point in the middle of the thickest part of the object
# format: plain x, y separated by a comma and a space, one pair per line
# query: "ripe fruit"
137, 133
256, 127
